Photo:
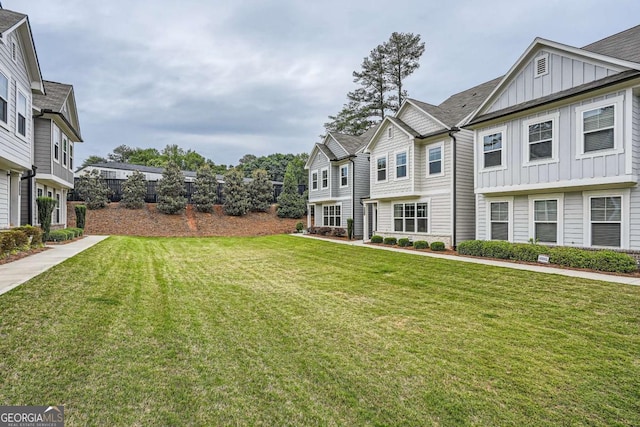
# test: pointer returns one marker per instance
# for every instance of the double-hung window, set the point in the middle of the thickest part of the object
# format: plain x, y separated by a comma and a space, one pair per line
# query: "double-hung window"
606, 221
499, 219
381, 166
70, 156
545, 220
314, 180
344, 175
332, 216
64, 150
56, 143
401, 165
492, 149
21, 113
58, 219
325, 178
435, 160
540, 137
598, 128
4, 98
411, 217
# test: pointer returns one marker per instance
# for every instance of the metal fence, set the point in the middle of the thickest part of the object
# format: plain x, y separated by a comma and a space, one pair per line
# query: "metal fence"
115, 185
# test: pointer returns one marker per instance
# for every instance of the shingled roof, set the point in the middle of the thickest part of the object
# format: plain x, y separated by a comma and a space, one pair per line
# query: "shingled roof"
56, 96
9, 18
350, 143
624, 45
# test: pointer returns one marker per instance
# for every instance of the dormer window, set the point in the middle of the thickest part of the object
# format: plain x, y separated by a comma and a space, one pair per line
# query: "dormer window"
541, 65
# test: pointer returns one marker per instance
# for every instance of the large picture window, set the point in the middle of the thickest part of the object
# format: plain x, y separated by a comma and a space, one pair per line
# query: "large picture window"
492, 149
545, 220
401, 165
606, 221
411, 217
332, 216
499, 215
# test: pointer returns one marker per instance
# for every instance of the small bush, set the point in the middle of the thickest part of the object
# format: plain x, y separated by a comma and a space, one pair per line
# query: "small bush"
7, 243
569, 257
376, 239
613, 261
350, 228
34, 233
390, 241
57, 236
339, 232
81, 215
528, 252
471, 247
497, 249
437, 246
299, 227
404, 242
312, 230
324, 231
421, 244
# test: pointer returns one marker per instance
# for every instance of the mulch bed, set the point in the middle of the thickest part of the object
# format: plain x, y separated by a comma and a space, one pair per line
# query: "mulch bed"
21, 255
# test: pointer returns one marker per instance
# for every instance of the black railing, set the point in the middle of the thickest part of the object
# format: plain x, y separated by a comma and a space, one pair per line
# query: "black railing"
115, 185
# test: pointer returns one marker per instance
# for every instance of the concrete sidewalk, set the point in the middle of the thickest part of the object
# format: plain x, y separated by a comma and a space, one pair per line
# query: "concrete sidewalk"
17, 272
635, 281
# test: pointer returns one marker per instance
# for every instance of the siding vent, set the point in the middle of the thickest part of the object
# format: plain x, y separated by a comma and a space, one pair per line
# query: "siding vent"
14, 51
542, 65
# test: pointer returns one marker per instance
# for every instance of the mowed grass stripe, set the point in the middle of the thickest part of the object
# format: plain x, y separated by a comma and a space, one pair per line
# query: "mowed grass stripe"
288, 331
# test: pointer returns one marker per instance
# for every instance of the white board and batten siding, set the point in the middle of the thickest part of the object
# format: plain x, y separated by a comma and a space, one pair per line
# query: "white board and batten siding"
4, 199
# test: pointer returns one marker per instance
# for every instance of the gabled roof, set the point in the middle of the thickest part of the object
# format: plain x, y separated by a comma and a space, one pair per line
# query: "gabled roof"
434, 111
350, 143
327, 152
408, 130
51, 105
405, 127
462, 104
13, 21
624, 45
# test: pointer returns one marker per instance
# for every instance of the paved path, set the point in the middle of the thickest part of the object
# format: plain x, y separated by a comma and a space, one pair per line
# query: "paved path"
528, 267
15, 273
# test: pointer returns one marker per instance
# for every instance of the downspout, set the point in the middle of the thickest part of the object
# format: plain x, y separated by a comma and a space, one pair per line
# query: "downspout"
455, 187
30, 177
353, 193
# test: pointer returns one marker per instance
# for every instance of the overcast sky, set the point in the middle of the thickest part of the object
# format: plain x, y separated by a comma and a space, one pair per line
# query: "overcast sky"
231, 77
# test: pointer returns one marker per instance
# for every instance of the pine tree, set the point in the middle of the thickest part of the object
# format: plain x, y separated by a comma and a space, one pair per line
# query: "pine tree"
403, 52
290, 203
260, 191
353, 119
236, 197
205, 194
92, 189
134, 190
375, 84
171, 190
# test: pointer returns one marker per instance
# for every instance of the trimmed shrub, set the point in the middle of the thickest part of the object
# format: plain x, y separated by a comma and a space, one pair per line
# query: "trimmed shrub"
350, 228
312, 230
497, 249
81, 216
58, 236
613, 261
376, 239
339, 232
21, 240
390, 241
437, 246
569, 257
471, 247
324, 231
46, 205
8, 243
32, 232
299, 227
421, 244
404, 242
528, 252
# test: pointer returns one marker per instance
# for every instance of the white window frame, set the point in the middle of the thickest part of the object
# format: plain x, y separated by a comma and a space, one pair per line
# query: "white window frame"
415, 217
70, 155
344, 177
488, 202
314, 181
439, 145
8, 77
329, 216
322, 186
503, 158
618, 146
65, 151
536, 67
386, 168
58, 211
559, 198
406, 165
55, 142
553, 118
27, 102
625, 197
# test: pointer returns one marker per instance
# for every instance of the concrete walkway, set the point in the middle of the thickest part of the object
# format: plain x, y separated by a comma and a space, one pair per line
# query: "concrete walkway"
15, 273
528, 267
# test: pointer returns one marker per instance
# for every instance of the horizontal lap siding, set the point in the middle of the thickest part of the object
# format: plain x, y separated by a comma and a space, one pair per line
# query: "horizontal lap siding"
465, 197
634, 228
361, 182
418, 120
388, 147
42, 149
319, 162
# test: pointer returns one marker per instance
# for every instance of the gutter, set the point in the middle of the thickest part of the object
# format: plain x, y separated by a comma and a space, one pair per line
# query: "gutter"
353, 195
64, 119
455, 186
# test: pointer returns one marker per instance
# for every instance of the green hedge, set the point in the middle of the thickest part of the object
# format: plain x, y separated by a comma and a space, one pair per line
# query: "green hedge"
404, 242
35, 233
58, 236
390, 241
376, 239
602, 260
421, 244
437, 246
13, 241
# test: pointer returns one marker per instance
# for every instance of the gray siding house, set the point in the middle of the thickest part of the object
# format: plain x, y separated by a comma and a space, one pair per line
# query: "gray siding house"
20, 79
421, 171
338, 181
557, 147
57, 130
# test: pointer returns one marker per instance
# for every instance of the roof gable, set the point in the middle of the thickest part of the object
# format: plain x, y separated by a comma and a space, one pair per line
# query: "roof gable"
59, 104
567, 67
319, 148
389, 121
16, 22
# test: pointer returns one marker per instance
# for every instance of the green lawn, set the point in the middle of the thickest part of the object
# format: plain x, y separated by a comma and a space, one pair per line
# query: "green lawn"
290, 331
